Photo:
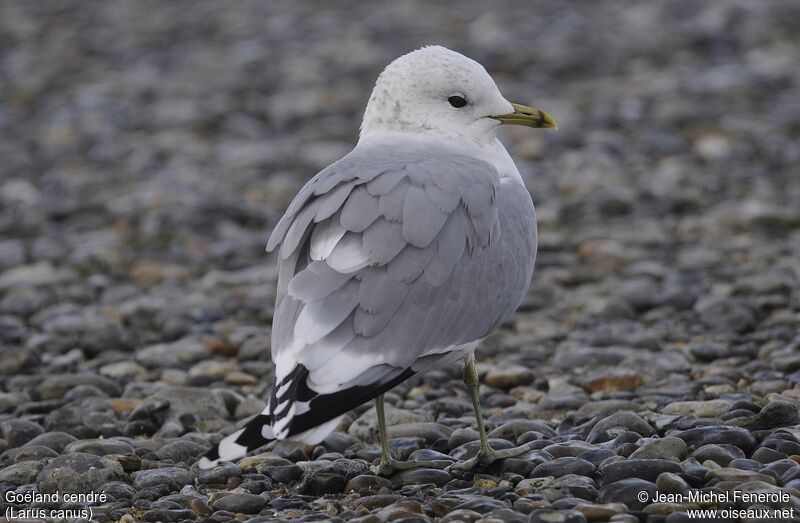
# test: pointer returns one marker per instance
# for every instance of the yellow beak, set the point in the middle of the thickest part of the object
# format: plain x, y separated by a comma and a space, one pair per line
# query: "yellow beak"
527, 116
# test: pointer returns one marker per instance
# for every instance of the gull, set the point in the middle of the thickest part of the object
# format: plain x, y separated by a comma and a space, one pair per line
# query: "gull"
399, 257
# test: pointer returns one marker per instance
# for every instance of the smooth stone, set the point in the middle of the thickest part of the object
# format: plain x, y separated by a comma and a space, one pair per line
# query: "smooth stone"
561, 402
611, 380
719, 434
261, 461
671, 483
563, 466
677, 517
56, 440
100, 447
719, 454
571, 485
401, 448
461, 436
403, 510
608, 428
596, 456
789, 448
241, 503
504, 515
782, 468
597, 512
663, 448
206, 408
180, 354
283, 474
482, 505
328, 456
764, 388
513, 429
182, 451
646, 469
332, 478
169, 515
220, 474
461, 515
767, 455
746, 464
17, 432
174, 478
56, 386
521, 466
737, 476
26, 453
365, 427
606, 408
377, 501
421, 476
339, 441
367, 483
118, 490
506, 376
428, 431
21, 473
546, 515
288, 503
700, 409
774, 414
626, 491
78, 472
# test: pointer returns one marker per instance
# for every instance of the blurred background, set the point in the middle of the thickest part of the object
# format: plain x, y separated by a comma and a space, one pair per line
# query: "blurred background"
147, 149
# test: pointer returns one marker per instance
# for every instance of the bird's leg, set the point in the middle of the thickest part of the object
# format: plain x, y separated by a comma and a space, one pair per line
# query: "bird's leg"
486, 455
388, 464
386, 457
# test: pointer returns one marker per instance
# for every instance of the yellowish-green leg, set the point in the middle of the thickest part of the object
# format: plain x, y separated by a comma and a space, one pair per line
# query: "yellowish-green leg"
486, 455
388, 464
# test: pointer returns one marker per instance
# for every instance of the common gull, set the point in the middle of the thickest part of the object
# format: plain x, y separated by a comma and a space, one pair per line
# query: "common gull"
399, 257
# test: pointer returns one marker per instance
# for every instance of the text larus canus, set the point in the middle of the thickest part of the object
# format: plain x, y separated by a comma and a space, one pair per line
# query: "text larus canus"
402, 255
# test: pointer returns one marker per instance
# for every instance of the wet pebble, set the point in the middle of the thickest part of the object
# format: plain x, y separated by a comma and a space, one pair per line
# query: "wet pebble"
78, 472
331, 478
172, 478
241, 503
421, 476
563, 466
626, 491
17, 432
560, 516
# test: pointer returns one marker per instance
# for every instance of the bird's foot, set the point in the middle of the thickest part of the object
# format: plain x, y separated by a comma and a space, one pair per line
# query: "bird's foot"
487, 455
388, 467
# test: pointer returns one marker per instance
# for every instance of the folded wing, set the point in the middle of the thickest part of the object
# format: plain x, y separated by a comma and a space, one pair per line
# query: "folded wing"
390, 259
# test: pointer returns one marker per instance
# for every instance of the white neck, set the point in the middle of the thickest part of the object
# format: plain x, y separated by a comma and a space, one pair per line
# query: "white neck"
492, 152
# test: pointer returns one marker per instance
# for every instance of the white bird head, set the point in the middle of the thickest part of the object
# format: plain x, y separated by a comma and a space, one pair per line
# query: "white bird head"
438, 91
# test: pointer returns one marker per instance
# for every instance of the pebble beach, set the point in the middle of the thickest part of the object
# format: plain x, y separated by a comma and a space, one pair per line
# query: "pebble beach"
147, 149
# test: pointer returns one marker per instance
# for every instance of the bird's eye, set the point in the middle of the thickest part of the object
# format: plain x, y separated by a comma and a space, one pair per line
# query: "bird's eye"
457, 101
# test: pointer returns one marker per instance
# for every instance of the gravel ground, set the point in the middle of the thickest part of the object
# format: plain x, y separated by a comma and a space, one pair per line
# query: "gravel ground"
147, 148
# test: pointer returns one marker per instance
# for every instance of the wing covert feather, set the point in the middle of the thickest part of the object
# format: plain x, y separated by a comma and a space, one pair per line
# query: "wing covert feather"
435, 252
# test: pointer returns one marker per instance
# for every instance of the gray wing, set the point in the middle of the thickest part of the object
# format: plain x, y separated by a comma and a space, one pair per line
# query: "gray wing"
390, 258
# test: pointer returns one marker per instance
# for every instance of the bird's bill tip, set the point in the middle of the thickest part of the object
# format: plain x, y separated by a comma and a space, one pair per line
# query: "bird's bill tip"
528, 117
